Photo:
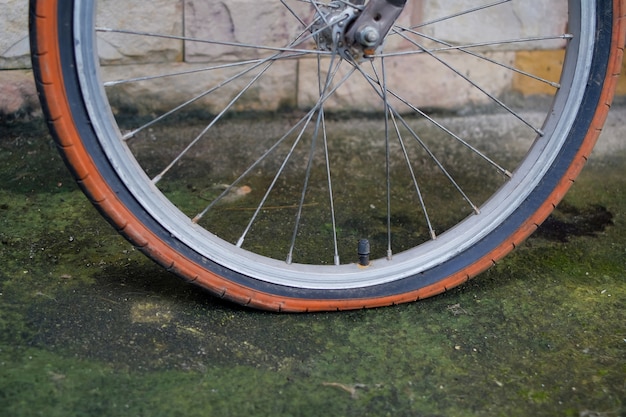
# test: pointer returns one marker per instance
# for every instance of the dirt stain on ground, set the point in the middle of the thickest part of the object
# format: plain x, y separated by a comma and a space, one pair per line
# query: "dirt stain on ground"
568, 221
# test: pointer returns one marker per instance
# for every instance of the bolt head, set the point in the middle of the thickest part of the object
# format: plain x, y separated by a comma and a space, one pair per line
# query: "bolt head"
368, 36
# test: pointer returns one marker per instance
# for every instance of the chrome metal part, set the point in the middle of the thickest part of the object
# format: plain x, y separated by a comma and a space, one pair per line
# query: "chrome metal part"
330, 26
367, 33
355, 31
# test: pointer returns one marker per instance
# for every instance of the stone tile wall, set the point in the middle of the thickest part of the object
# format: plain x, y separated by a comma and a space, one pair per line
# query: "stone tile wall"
240, 20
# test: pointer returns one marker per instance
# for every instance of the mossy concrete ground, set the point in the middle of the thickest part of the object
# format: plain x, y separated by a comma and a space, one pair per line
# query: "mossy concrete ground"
88, 326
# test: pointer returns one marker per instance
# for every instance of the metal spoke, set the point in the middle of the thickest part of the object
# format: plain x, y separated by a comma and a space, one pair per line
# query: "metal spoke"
330, 193
305, 119
383, 91
157, 178
269, 61
462, 141
424, 50
257, 64
436, 160
271, 186
388, 158
464, 12
305, 186
376, 87
500, 169
216, 42
477, 55
389, 114
293, 13
474, 84
319, 12
413, 177
134, 132
317, 108
204, 69
318, 124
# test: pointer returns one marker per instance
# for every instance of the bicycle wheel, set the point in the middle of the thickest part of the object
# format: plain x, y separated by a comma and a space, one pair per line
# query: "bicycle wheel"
279, 168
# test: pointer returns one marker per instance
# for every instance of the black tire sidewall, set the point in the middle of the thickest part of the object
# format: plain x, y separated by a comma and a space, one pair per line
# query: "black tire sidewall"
501, 235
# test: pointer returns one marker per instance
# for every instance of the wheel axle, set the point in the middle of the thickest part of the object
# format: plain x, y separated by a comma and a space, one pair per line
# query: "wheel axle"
354, 31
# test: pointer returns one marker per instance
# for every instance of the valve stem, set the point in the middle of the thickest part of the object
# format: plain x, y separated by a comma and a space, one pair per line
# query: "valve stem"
364, 252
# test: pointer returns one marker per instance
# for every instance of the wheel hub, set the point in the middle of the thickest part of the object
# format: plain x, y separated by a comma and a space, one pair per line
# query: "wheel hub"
353, 30
329, 30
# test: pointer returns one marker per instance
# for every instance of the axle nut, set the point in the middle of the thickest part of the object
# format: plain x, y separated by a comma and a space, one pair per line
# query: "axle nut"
368, 36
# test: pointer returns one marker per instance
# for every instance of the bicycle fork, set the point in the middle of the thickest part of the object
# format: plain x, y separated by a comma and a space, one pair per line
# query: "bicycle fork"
356, 30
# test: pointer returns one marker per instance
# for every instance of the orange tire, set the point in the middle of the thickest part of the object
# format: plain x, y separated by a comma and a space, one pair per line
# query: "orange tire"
58, 63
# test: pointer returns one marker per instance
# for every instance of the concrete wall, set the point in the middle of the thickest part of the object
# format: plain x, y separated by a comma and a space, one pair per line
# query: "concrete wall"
237, 18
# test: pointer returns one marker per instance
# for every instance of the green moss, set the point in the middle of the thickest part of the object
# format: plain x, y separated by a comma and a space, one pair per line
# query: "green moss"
90, 327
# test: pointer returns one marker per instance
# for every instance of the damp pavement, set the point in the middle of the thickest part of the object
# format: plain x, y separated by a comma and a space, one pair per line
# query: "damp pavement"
89, 326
